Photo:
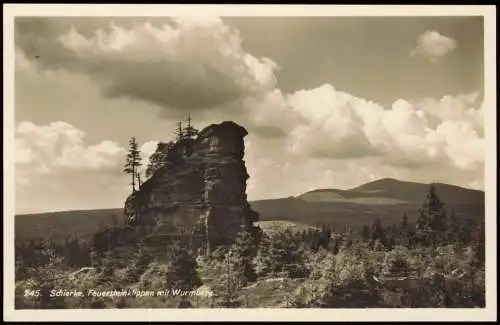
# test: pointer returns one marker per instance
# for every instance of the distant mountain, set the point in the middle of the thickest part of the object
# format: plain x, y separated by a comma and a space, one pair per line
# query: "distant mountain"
386, 199
390, 191
416, 192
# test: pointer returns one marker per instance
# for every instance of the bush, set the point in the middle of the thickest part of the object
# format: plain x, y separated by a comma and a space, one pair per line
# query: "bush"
447, 259
355, 263
346, 282
397, 261
181, 268
155, 277
139, 265
426, 293
420, 259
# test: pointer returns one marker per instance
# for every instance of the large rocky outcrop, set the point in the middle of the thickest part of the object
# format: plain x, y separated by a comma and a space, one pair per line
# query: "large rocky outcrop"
201, 191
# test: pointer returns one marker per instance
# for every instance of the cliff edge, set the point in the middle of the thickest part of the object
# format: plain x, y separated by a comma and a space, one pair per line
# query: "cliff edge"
199, 191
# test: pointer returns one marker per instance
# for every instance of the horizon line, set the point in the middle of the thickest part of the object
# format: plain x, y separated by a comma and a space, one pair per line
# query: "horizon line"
277, 198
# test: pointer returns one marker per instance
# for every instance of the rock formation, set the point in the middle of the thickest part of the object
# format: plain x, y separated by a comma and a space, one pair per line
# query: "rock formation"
200, 191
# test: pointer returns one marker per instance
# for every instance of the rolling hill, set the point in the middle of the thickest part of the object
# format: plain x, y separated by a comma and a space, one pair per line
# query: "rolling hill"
390, 191
386, 199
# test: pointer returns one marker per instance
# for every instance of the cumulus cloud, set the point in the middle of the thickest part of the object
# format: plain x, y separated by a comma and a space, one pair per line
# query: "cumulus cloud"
189, 64
53, 162
334, 124
270, 114
433, 46
463, 145
337, 140
331, 126
60, 146
454, 108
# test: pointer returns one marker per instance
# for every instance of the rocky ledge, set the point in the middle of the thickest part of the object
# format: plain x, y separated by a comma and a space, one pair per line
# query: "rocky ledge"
201, 191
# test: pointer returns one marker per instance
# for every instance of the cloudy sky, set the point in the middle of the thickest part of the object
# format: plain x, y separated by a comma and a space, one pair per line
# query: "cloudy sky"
329, 102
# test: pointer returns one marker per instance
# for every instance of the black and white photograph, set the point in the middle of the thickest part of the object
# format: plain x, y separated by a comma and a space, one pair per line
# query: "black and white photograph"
215, 160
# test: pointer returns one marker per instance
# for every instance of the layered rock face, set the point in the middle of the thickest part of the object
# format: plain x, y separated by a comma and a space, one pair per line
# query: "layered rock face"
201, 192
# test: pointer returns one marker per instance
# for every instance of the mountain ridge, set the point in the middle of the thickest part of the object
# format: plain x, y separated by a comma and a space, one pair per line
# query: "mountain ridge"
399, 192
393, 180
385, 199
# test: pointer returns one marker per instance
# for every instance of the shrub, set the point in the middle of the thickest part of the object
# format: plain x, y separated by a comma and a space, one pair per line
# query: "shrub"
397, 261
346, 282
447, 259
181, 268
155, 277
139, 265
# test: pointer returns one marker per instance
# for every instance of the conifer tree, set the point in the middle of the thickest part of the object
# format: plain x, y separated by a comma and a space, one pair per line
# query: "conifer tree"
243, 251
390, 238
377, 231
228, 286
404, 222
432, 219
179, 131
133, 161
189, 131
325, 236
365, 233
281, 254
403, 234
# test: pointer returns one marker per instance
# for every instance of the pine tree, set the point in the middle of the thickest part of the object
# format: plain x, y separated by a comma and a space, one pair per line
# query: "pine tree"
281, 254
133, 161
404, 222
244, 250
325, 234
365, 233
189, 131
179, 132
377, 231
228, 286
431, 224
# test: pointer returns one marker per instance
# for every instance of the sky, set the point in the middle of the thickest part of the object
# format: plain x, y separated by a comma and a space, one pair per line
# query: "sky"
329, 102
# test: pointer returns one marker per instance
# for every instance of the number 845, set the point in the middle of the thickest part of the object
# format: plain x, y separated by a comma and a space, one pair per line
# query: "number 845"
31, 293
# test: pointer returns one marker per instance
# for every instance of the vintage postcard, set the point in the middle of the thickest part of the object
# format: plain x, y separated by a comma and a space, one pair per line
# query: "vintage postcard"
225, 162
